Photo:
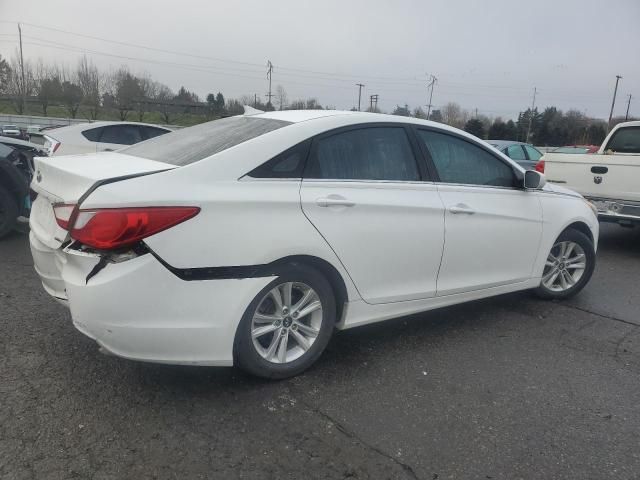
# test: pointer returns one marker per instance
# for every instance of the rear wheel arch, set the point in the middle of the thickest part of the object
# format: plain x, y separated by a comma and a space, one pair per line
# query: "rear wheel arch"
330, 272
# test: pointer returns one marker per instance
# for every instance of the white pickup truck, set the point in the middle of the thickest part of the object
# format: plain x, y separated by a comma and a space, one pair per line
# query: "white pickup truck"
609, 178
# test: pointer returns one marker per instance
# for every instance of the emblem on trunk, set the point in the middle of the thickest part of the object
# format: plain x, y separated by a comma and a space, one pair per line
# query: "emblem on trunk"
38, 176
597, 180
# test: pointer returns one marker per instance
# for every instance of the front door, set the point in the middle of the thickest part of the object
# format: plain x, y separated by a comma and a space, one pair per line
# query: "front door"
493, 227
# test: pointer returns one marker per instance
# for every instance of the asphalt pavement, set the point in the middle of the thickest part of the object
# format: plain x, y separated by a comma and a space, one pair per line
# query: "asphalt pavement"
505, 388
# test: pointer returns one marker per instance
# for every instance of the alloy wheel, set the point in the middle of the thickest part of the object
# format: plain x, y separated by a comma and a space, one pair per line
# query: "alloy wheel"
286, 322
565, 266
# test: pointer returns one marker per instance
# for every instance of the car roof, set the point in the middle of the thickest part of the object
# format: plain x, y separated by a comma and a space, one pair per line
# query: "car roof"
505, 143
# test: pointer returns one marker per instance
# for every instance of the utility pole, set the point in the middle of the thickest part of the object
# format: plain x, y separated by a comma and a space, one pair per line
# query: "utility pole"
360, 85
255, 100
269, 74
533, 104
476, 113
613, 103
626, 117
430, 85
24, 90
373, 102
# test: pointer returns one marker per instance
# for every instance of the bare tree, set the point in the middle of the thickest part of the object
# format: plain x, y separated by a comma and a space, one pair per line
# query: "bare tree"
126, 91
15, 87
281, 97
148, 90
164, 102
48, 85
91, 82
453, 115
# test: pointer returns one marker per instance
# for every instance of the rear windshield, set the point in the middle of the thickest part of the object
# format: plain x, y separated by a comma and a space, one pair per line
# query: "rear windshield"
192, 144
625, 140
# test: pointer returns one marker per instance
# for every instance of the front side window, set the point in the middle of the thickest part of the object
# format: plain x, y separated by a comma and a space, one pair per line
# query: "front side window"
459, 161
515, 152
374, 153
625, 140
534, 153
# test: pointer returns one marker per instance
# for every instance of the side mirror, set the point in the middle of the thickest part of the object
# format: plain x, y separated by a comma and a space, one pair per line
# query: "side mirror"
533, 180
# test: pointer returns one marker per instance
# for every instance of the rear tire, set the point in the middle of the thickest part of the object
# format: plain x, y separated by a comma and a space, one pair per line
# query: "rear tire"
569, 266
288, 324
8, 212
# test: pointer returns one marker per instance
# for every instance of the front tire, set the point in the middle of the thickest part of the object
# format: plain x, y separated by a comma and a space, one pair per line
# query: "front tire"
8, 212
568, 266
288, 324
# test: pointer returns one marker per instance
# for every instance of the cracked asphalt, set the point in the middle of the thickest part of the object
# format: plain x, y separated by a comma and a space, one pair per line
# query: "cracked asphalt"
506, 388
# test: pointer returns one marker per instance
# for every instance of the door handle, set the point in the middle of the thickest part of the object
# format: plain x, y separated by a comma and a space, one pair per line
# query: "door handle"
599, 170
462, 208
334, 201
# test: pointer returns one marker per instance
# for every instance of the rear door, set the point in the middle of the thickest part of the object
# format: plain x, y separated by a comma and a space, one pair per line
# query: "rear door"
493, 228
367, 194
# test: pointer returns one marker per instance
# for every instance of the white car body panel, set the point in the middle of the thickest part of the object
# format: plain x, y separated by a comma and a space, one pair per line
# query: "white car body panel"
406, 217
388, 248
504, 228
610, 179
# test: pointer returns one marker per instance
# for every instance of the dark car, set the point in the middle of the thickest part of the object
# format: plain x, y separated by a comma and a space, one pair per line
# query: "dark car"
577, 149
16, 172
525, 154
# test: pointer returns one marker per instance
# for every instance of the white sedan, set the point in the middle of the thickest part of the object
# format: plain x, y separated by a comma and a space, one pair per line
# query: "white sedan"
246, 241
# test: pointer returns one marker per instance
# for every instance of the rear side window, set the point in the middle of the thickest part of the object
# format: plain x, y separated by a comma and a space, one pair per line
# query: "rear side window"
192, 144
515, 152
5, 151
289, 164
93, 134
625, 140
152, 132
534, 153
121, 134
462, 162
375, 153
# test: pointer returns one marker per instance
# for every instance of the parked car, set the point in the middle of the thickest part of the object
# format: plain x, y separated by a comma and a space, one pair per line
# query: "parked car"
15, 174
11, 131
610, 178
30, 150
577, 149
524, 154
248, 240
96, 136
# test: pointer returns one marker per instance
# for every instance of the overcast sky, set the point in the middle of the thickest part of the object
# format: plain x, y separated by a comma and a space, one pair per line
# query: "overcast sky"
487, 55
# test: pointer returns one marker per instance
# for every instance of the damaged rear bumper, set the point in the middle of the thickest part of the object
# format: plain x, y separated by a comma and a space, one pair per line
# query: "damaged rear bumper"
139, 310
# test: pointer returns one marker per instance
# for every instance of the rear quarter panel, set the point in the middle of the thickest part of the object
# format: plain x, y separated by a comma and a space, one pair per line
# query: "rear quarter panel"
242, 222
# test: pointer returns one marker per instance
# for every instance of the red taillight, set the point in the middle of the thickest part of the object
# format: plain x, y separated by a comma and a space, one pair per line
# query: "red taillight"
63, 213
55, 147
111, 228
540, 166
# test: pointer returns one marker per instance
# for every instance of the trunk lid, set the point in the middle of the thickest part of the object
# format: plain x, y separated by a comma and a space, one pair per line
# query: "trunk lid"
66, 179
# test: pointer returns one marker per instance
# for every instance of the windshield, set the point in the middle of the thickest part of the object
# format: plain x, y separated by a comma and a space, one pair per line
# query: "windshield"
192, 144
